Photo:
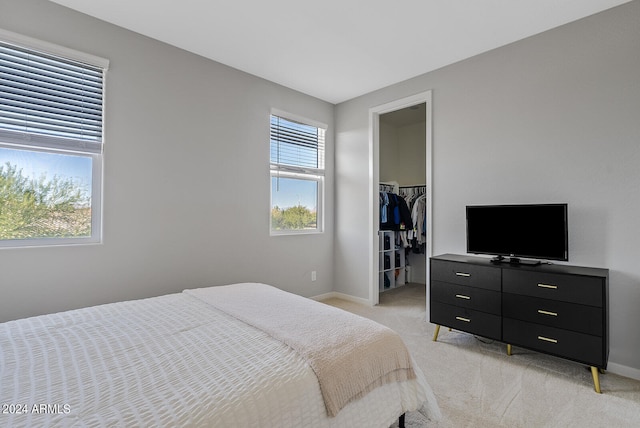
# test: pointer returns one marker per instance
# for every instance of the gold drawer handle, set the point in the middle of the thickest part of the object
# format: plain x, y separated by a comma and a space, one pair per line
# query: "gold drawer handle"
546, 339
553, 287
462, 296
466, 275
463, 319
553, 314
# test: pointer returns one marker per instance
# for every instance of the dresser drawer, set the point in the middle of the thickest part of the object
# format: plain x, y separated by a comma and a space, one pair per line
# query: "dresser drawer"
569, 316
584, 290
579, 347
475, 322
466, 274
467, 297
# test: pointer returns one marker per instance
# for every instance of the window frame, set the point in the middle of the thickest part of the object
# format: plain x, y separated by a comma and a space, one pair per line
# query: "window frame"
50, 145
301, 173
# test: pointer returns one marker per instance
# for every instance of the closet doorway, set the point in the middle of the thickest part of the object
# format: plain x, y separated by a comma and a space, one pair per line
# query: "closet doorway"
401, 163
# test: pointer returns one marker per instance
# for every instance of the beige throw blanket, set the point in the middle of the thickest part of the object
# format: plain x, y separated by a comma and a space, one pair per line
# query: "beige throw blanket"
349, 354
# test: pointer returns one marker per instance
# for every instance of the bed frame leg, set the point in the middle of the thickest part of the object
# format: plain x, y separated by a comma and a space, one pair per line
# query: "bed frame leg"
401, 421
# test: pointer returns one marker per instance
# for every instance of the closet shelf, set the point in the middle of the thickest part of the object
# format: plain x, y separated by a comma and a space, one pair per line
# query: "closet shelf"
391, 268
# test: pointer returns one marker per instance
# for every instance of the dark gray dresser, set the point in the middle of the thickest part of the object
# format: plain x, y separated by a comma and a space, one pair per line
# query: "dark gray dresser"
560, 310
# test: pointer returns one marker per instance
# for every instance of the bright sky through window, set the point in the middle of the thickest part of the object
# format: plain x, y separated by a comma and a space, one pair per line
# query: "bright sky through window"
34, 164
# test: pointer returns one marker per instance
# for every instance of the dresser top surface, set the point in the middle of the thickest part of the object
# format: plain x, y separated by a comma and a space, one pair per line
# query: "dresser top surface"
543, 267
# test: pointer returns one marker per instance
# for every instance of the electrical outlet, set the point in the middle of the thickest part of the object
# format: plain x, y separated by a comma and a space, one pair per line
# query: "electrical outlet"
313, 275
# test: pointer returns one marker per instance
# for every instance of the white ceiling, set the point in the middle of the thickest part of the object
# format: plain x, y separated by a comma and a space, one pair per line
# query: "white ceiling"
351, 47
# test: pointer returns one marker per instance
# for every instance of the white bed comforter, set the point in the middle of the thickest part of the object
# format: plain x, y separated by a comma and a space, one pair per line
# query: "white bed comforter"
350, 355
169, 361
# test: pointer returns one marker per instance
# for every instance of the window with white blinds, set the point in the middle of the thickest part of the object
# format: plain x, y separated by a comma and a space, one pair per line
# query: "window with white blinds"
50, 101
297, 175
51, 137
296, 144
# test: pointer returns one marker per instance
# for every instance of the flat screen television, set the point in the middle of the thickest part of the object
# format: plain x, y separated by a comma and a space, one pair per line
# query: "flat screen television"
533, 231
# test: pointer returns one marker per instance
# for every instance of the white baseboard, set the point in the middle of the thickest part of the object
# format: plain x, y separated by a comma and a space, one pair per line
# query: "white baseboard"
625, 371
335, 294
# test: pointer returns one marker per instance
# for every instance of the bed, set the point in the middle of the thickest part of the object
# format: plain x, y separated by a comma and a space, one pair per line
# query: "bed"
242, 355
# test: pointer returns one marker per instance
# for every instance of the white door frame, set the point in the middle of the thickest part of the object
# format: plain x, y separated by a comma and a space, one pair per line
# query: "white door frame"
374, 180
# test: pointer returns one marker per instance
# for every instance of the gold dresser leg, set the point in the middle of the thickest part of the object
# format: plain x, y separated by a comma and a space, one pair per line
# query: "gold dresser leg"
509, 349
435, 334
596, 379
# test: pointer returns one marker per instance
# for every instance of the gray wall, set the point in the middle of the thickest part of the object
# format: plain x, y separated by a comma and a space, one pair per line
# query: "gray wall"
402, 153
186, 178
552, 118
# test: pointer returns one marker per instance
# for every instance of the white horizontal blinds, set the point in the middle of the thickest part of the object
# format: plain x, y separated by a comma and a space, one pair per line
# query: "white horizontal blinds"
49, 101
297, 145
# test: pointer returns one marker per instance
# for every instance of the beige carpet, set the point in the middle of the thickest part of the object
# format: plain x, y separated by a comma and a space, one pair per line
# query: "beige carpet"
478, 385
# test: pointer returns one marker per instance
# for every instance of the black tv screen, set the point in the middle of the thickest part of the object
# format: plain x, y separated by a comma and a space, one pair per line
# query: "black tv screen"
537, 231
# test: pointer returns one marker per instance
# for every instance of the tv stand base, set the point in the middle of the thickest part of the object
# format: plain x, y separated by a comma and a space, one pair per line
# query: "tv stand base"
515, 261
